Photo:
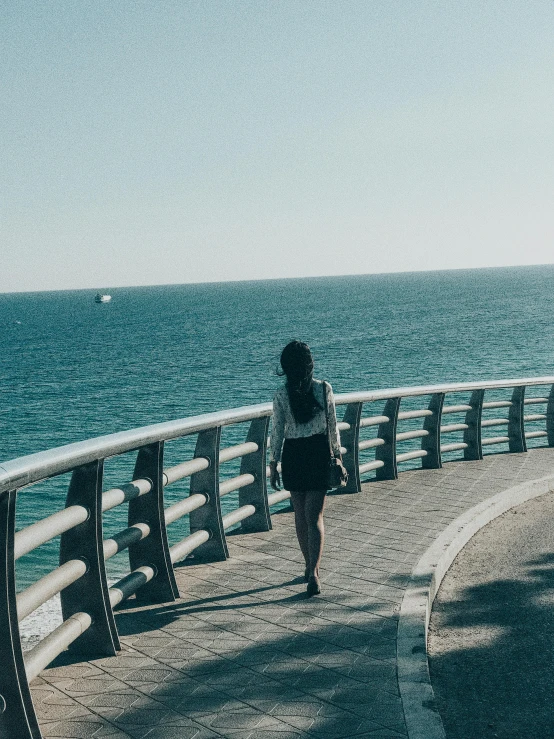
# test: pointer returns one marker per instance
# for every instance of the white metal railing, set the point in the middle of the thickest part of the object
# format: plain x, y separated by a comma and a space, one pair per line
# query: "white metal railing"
80, 579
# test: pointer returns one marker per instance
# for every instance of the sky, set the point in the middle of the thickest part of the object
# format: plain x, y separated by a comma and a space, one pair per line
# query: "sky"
185, 141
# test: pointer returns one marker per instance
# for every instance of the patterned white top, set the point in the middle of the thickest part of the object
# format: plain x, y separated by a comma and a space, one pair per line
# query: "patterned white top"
284, 425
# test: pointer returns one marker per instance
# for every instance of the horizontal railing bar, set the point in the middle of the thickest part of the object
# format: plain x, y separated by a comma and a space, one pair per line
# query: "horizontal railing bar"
185, 469
453, 447
404, 435
24, 471
48, 586
460, 387
494, 422
463, 408
235, 483
343, 426
368, 466
55, 643
31, 537
404, 415
370, 443
495, 440
18, 473
187, 545
180, 509
373, 421
128, 585
454, 427
245, 511
277, 497
535, 434
535, 417
239, 450
123, 539
411, 455
530, 401
497, 404
117, 496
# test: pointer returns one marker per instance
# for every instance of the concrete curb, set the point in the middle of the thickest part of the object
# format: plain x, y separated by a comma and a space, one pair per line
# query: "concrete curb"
416, 693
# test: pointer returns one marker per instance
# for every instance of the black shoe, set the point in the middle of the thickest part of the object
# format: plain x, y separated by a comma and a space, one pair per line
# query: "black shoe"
313, 586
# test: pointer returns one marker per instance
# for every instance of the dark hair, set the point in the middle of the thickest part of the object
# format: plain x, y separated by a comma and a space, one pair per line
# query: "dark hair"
298, 365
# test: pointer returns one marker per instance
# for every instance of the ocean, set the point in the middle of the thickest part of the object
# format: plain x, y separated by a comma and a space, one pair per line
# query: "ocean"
71, 369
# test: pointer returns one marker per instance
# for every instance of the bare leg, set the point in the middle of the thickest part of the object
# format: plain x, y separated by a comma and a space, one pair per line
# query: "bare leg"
313, 510
298, 502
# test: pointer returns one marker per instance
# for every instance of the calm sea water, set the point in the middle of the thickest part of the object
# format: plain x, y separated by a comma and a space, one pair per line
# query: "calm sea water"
71, 369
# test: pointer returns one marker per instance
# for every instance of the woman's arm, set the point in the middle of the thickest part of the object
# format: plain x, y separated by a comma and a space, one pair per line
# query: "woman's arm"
277, 429
332, 415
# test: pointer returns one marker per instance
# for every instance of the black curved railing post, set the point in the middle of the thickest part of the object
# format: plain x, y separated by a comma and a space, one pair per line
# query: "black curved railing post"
516, 423
17, 714
472, 435
90, 592
152, 551
256, 493
208, 517
350, 439
387, 451
550, 417
432, 443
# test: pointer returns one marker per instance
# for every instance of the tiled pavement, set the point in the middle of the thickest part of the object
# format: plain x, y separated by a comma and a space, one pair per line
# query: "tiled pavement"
245, 654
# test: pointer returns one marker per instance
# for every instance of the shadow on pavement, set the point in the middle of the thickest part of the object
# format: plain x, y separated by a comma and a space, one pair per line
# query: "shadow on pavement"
492, 648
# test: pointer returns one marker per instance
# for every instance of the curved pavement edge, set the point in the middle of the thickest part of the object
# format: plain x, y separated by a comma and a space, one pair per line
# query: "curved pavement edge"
416, 692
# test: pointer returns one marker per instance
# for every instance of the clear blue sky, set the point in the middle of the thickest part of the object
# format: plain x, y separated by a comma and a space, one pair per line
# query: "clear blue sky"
197, 140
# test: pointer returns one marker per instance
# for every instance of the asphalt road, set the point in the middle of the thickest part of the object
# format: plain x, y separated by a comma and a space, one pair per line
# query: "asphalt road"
491, 638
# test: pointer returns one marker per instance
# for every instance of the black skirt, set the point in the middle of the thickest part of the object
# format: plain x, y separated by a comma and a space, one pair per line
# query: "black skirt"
305, 463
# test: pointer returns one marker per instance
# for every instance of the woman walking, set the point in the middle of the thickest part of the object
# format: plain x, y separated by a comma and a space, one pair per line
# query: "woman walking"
304, 420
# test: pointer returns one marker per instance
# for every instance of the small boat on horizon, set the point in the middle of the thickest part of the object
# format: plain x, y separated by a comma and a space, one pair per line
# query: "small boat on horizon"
101, 298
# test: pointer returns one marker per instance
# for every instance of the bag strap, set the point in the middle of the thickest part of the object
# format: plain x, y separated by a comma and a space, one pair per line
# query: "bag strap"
331, 452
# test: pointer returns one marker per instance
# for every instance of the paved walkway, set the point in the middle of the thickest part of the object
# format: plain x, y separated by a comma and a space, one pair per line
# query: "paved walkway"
246, 654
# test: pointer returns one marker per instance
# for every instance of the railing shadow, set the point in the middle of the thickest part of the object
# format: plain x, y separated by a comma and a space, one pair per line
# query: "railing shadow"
167, 614
291, 676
